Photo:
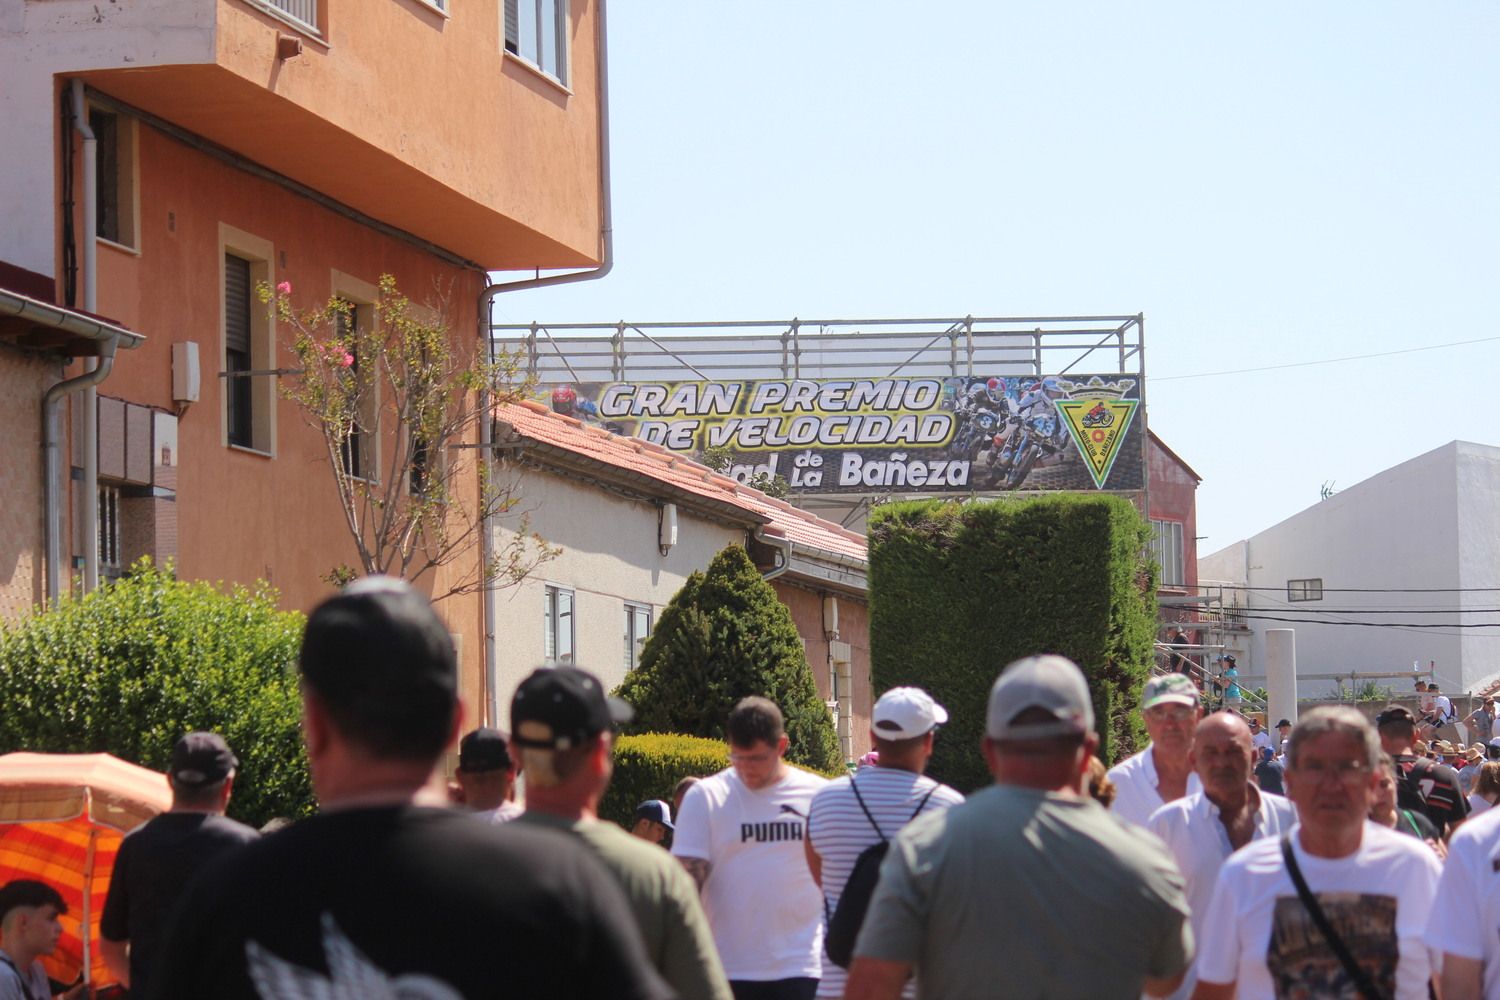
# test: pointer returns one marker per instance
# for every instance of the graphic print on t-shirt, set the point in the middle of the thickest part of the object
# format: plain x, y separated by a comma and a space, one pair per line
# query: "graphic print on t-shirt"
351, 975
1303, 965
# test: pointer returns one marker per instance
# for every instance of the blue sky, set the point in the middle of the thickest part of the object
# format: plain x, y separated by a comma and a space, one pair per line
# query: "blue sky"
1268, 184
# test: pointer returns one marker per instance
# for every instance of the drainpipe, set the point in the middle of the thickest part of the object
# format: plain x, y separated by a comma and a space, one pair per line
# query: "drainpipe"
94, 372
780, 544
486, 299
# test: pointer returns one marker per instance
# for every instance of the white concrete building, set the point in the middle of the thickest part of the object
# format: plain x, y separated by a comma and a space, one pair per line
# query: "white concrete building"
1413, 554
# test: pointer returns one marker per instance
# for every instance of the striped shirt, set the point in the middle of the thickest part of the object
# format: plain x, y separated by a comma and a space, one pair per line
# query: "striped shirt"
839, 831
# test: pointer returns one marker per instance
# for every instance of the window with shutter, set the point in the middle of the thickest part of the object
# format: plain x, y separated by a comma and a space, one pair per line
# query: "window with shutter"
238, 387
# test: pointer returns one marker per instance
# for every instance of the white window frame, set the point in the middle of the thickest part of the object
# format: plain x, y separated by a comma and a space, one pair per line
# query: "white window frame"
125, 181
635, 642
1305, 589
260, 253
531, 51
1167, 545
111, 539
552, 632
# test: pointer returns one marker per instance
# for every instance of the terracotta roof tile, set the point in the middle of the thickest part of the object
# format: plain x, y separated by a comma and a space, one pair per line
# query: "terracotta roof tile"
536, 422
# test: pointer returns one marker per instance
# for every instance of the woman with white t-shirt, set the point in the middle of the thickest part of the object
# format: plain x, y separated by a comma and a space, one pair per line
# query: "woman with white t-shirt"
1486, 788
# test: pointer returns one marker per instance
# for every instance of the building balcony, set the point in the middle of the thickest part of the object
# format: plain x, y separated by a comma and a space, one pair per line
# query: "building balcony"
411, 112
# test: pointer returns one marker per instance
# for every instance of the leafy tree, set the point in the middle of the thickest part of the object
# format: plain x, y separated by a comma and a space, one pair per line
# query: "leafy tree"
721, 460
399, 402
723, 637
129, 668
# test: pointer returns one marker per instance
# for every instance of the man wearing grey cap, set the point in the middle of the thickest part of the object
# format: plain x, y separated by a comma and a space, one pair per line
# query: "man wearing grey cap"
158, 859
850, 815
1160, 773
982, 899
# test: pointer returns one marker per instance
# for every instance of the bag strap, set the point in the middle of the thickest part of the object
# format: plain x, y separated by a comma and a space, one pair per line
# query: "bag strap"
1310, 902
923, 804
860, 799
20, 979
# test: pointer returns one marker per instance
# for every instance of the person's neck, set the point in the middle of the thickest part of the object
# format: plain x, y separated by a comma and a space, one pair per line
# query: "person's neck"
561, 803
1339, 842
914, 766
381, 783
1038, 776
22, 956
1387, 818
1242, 799
202, 810
1170, 766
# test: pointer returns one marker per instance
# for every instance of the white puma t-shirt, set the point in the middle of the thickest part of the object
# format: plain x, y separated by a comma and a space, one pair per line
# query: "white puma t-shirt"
765, 910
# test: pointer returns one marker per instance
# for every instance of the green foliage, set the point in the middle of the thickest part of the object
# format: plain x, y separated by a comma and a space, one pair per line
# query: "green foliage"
721, 460
723, 637
649, 766
129, 668
958, 590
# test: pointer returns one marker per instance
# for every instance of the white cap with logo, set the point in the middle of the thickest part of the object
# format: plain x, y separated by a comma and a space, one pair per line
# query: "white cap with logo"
1049, 682
905, 713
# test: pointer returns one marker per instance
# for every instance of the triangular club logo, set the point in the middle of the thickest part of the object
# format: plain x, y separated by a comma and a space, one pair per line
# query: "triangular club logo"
1098, 428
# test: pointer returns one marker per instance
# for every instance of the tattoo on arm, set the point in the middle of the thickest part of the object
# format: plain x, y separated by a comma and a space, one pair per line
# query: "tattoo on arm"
698, 868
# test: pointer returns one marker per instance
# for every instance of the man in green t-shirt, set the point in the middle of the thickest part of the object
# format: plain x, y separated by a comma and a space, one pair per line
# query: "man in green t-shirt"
562, 723
982, 899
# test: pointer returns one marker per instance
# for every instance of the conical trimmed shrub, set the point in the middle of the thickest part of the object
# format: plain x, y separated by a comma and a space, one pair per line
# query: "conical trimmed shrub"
723, 637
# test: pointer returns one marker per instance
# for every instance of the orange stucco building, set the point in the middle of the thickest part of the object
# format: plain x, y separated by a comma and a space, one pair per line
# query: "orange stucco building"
321, 143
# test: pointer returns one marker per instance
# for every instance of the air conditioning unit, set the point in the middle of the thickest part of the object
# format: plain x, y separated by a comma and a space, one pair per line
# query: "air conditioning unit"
186, 377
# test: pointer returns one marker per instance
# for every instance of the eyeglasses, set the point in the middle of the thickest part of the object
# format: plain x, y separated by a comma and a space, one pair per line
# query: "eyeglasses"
1172, 713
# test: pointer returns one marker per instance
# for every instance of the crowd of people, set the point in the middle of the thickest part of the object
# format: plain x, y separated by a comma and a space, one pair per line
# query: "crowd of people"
1182, 871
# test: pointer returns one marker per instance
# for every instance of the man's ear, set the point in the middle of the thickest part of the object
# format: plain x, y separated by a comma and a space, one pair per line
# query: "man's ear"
314, 722
782, 744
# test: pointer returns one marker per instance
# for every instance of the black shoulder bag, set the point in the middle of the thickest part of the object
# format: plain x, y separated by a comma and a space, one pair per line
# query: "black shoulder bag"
847, 918
1310, 902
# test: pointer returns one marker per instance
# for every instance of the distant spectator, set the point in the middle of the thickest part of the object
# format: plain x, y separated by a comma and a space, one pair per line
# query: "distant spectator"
1269, 772
1100, 788
850, 815
1283, 736
487, 775
1473, 759
1161, 772
156, 861
740, 835
1430, 787
28, 930
680, 792
653, 822
1385, 810
1482, 721
1486, 788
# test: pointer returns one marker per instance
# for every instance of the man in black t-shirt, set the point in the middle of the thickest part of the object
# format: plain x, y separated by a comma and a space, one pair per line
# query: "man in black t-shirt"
386, 892
1423, 784
158, 860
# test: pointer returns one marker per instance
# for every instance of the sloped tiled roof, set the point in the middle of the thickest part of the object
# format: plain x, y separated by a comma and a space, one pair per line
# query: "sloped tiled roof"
633, 457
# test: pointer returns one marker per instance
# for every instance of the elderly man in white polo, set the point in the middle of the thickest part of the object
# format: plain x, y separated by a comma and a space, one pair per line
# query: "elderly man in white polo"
1162, 772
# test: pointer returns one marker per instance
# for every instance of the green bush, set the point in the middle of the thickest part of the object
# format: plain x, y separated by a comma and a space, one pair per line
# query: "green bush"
725, 636
958, 590
132, 666
649, 766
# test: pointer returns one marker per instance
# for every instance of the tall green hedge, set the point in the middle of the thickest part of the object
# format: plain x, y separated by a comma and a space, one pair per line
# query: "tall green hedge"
650, 765
960, 589
725, 635
132, 666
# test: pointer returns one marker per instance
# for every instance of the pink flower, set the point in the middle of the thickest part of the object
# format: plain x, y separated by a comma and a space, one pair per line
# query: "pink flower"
348, 360
284, 287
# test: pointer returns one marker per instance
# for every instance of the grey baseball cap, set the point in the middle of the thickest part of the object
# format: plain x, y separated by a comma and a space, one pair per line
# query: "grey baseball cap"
1049, 682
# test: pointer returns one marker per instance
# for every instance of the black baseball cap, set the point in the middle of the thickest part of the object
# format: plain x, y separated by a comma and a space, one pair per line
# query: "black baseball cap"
1283, 722
201, 759
484, 749
561, 707
657, 811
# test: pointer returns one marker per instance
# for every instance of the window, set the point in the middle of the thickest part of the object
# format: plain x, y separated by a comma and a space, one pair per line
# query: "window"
1304, 590
109, 531
558, 626
357, 448
537, 31
304, 12
114, 161
1166, 546
637, 628
249, 354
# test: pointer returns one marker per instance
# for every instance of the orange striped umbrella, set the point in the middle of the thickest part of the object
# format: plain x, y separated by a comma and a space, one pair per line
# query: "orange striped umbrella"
62, 817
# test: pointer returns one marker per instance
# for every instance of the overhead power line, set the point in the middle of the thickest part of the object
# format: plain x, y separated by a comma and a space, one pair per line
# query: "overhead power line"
1324, 361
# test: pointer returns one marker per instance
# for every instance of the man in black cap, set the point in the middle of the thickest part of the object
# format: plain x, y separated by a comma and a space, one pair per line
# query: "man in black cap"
387, 891
653, 822
1426, 786
563, 723
156, 861
487, 775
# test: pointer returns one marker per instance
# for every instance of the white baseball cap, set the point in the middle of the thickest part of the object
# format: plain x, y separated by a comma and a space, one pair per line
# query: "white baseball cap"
1049, 682
905, 713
